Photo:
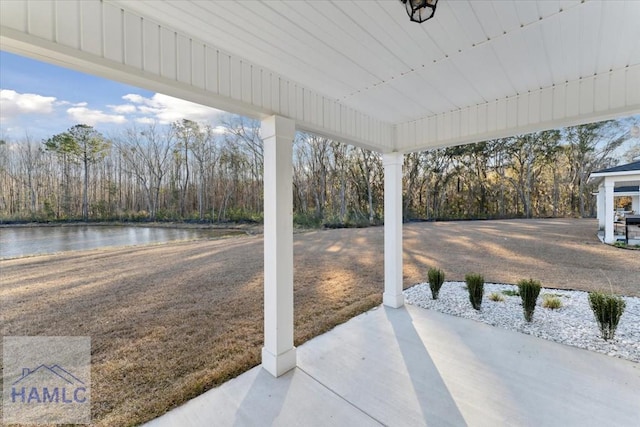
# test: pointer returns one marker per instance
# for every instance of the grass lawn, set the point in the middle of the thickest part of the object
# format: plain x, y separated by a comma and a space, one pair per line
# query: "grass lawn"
168, 322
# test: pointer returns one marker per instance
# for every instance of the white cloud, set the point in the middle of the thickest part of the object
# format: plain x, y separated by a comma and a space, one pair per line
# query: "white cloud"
48, 114
123, 109
165, 109
63, 103
91, 117
13, 104
138, 99
149, 110
145, 120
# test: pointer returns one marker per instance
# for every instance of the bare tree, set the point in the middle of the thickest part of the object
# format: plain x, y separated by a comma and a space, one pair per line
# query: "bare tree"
147, 154
216, 170
589, 148
31, 160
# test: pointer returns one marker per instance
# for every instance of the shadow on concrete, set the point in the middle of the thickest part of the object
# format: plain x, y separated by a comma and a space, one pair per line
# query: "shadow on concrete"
436, 403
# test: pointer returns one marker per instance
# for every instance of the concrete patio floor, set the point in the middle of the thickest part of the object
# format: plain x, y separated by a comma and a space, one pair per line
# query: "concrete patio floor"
414, 367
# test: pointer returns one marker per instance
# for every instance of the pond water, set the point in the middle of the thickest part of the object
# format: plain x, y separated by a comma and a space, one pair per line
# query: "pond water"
24, 241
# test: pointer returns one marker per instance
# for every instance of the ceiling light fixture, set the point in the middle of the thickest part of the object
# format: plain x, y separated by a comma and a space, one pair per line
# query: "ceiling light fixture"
420, 10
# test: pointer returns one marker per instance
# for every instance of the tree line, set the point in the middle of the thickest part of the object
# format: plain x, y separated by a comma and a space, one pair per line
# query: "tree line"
188, 171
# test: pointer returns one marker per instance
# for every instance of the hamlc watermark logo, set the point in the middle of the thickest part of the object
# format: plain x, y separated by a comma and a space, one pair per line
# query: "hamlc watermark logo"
46, 380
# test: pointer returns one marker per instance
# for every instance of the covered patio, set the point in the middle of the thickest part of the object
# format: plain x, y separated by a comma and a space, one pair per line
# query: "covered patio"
357, 72
617, 181
416, 367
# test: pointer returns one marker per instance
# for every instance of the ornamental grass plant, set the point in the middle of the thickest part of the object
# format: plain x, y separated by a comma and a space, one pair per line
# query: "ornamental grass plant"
496, 296
436, 279
475, 286
529, 291
551, 301
607, 309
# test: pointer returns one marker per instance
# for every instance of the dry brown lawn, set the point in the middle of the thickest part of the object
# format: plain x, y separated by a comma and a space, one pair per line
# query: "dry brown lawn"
168, 322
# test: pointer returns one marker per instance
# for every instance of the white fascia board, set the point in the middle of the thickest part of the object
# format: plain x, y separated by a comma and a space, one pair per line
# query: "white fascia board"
595, 179
628, 175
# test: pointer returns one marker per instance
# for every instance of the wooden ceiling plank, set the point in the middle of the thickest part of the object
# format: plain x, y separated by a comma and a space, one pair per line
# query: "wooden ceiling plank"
551, 33
468, 23
630, 36
286, 35
570, 40
507, 15
412, 42
487, 18
548, 8
590, 33
424, 94
458, 95
349, 36
537, 56
527, 12
253, 44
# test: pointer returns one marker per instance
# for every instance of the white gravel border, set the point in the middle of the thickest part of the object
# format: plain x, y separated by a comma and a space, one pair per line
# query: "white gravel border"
572, 324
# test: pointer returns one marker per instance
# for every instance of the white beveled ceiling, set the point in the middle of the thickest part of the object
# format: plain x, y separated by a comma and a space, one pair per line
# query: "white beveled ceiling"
369, 57
367, 54
358, 70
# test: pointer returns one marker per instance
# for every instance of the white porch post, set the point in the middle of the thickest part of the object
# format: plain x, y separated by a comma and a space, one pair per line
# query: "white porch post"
608, 211
600, 206
278, 353
392, 296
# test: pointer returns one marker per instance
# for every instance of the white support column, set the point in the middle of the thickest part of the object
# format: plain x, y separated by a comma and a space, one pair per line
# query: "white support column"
608, 211
278, 353
600, 206
392, 296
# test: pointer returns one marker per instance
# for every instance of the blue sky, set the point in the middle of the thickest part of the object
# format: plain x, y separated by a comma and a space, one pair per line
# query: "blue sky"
41, 100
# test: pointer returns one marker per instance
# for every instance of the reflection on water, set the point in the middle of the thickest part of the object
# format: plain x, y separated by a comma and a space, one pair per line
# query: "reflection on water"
23, 241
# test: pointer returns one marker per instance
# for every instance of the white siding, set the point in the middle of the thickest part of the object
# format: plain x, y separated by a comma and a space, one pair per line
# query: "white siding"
68, 35
575, 102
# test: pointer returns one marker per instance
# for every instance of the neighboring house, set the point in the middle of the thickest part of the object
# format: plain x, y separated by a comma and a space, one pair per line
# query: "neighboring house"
618, 181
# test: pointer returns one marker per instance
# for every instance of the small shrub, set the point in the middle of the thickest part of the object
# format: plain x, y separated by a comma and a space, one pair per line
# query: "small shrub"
624, 245
495, 296
608, 309
555, 295
551, 301
529, 291
436, 279
306, 220
475, 286
511, 293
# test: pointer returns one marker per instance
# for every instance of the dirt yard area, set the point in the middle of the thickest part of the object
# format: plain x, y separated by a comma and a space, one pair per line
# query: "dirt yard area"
170, 321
